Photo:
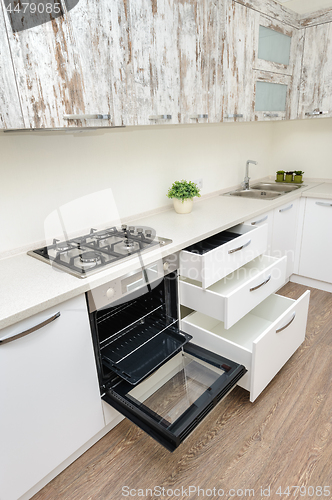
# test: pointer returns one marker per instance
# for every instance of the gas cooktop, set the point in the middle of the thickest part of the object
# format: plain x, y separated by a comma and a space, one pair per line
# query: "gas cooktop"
88, 254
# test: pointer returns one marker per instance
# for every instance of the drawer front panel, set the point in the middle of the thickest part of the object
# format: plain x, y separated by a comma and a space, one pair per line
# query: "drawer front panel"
262, 341
273, 349
222, 260
231, 305
243, 300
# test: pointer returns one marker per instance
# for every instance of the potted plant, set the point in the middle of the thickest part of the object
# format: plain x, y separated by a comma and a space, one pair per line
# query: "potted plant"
298, 176
280, 175
289, 176
183, 193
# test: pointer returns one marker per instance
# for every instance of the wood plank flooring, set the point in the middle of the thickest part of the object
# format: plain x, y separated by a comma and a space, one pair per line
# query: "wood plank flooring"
282, 439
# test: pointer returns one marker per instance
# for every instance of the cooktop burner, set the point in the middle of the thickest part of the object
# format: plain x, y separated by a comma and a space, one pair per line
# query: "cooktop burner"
92, 252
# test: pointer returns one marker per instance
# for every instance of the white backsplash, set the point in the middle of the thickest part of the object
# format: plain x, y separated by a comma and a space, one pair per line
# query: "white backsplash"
41, 171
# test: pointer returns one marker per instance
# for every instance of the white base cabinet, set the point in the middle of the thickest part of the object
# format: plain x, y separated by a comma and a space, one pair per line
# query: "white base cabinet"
284, 233
262, 341
316, 245
49, 395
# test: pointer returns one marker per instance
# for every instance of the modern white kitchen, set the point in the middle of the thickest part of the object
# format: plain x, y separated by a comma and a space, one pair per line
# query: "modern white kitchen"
102, 109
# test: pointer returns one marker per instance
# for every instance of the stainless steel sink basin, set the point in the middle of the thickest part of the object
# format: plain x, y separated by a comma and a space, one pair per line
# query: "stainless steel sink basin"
279, 188
256, 194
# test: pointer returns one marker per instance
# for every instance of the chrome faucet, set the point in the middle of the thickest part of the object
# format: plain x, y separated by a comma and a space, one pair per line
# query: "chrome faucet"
245, 183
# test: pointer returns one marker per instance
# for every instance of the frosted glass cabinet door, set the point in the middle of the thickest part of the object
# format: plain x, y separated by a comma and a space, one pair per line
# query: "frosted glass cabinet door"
273, 46
272, 96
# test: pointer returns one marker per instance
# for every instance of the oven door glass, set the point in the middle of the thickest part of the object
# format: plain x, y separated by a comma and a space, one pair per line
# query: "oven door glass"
172, 401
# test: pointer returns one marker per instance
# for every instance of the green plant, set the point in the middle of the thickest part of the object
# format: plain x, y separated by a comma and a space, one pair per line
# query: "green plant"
291, 172
280, 172
183, 190
298, 172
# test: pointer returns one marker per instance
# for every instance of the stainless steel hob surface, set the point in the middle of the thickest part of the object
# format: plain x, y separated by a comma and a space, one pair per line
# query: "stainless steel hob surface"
99, 249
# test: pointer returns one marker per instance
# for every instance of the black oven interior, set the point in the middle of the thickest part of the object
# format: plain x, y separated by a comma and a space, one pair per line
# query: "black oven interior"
149, 370
133, 337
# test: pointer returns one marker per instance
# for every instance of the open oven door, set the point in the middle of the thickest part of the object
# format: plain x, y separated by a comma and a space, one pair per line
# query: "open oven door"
175, 398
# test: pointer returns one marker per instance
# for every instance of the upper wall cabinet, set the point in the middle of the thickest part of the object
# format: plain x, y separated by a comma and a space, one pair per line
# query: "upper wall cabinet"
238, 63
47, 73
154, 27
102, 51
278, 58
10, 109
201, 27
316, 85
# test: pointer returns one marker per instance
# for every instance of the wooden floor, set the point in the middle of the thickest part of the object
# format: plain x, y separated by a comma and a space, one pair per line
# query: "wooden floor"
283, 439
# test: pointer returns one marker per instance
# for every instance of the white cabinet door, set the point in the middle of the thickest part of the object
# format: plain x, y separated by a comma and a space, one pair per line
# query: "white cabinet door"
285, 226
49, 395
316, 247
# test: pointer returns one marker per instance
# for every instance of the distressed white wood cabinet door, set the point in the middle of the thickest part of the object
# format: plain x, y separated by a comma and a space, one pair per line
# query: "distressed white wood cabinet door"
10, 109
199, 50
316, 85
238, 62
155, 58
100, 31
48, 74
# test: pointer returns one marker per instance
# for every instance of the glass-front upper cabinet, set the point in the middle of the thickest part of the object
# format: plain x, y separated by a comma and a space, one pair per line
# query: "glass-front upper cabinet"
272, 96
276, 46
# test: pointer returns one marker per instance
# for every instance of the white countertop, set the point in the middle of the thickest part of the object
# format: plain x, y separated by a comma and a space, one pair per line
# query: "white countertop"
320, 191
29, 285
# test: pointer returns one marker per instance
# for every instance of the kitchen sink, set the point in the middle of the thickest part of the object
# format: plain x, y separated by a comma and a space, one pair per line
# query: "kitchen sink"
279, 188
261, 194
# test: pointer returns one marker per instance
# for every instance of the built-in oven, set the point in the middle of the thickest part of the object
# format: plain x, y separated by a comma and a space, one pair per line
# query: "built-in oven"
149, 370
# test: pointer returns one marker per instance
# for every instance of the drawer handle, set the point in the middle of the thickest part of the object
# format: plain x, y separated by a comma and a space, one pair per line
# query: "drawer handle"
287, 208
322, 204
239, 248
30, 330
259, 221
283, 327
96, 116
234, 115
160, 117
197, 117
261, 284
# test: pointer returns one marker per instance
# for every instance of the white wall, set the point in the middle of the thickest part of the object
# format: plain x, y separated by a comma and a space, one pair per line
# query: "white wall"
44, 170
304, 145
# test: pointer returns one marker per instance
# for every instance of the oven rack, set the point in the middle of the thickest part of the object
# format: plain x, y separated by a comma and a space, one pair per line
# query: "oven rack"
143, 348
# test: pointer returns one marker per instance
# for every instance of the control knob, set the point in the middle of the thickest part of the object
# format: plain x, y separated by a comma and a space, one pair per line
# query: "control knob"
166, 266
110, 292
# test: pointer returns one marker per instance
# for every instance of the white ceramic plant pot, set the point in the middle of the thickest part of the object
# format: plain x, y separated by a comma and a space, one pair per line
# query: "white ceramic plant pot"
183, 207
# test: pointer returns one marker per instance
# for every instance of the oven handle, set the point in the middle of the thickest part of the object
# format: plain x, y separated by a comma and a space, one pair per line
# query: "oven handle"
30, 330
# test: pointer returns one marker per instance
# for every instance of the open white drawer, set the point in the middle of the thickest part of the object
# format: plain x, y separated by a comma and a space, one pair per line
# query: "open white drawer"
234, 296
262, 341
214, 258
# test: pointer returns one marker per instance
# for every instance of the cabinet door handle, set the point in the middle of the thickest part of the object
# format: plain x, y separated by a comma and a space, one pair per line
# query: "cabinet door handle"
289, 322
30, 330
239, 248
316, 112
271, 115
197, 117
287, 208
261, 284
160, 117
323, 204
259, 221
235, 115
87, 117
